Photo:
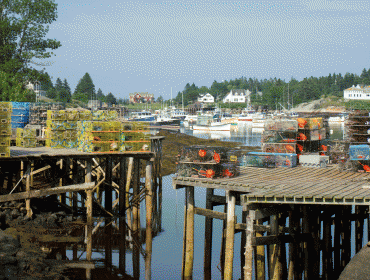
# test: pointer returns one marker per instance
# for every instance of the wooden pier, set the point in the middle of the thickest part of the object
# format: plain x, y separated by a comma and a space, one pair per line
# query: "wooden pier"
308, 212
103, 189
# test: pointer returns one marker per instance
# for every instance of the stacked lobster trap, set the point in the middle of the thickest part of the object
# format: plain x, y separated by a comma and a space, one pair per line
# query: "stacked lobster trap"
26, 137
207, 162
20, 114
61, 128
5, 128
113, 136
38, 112
311, 136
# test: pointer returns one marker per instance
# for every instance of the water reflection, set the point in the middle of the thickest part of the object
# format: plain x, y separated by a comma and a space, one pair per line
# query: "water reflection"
251, 136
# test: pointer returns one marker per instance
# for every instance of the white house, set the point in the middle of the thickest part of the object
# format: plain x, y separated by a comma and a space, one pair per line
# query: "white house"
206, 98
36, 88
357, 93
238, 96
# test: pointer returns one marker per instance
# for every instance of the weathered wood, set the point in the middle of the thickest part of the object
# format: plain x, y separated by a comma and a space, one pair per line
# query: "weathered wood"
208, 236
149, 208
135, 219
243, 241
122, 216
210, 213
45, 192
189, 249
28, 190
108, 207
89, 210
306, 244
223, 245
230, 232
275, 264
248, 267
260, 251
128, 183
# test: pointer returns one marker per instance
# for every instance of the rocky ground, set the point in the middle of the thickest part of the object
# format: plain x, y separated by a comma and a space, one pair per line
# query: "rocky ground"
175, 140
22, 255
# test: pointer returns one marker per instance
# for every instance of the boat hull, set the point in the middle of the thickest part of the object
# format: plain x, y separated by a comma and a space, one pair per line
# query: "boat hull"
214, 127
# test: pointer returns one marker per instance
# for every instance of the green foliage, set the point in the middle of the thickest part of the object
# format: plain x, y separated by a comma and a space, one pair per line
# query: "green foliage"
12, 90
24, 25
85, 89
358, 105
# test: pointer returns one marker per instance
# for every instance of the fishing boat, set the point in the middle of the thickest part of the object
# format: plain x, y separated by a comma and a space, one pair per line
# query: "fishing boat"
143, 116
164, 120
213, 126
338, 119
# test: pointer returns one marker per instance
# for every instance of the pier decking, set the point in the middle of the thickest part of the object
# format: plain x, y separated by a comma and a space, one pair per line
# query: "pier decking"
103, 189
310, 210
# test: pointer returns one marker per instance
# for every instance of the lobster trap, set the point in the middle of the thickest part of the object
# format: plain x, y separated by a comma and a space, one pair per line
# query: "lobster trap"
203, 154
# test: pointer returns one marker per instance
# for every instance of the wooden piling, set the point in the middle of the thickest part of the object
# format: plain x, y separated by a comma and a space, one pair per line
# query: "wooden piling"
148, 206
28, 187
122, 216
189, 248
230, 232
135, 221
108, 207
223, 245
208, 237
89, 210
243, 242
260, 256
128, 184
275, 254
248, 267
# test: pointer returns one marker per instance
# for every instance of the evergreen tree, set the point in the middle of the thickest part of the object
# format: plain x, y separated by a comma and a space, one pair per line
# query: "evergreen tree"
85, 88
100, 96
66, 86
46, 83
59, 85
111, 99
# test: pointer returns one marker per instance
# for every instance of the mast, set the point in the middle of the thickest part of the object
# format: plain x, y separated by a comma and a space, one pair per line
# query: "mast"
288, 96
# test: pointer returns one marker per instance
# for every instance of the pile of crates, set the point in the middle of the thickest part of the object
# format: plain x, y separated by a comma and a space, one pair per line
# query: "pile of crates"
311, 136
207, 162
20, 114
38, 112
61, 127
26, 137
113, 136
279, 145
5, 128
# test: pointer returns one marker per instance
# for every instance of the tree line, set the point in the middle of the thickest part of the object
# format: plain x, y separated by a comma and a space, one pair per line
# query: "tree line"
84, 91
275, 91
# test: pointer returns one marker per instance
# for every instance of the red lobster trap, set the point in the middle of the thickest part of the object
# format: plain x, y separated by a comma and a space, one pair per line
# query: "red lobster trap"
212, 154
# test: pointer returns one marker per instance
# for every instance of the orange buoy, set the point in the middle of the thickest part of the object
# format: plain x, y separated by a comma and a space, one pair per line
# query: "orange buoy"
210, 173
290, 148
301, 122
366, 167
302, 137
324, 148
202, 153
217, 157
300, 147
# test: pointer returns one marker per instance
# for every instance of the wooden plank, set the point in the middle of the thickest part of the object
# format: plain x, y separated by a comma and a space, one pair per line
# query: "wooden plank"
248, 268
46, 192
208, 233
230, 233
275, 239
189, 251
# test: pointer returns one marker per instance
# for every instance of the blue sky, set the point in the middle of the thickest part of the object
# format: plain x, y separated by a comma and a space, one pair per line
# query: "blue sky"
151, 46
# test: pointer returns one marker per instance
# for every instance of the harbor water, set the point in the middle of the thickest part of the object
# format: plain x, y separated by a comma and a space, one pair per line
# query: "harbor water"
168, 245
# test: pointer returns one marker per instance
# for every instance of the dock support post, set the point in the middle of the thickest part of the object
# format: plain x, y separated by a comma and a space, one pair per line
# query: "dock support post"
135, 222
230, 232
260, 257
208, 237
122, 216
149, 214
189, 247
128, 183
275, 265
89, 210
248, 267
108, 207
223, 245
28, 187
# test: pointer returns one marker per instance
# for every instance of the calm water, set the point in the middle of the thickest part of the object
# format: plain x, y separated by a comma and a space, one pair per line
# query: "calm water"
167, 247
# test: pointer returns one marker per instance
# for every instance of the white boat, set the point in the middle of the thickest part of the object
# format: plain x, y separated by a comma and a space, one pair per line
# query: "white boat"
245, 118
338, 119
143, 116
213, 134
214, 126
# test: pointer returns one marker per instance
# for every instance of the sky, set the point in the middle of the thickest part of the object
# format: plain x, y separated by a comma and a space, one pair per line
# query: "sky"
153, 46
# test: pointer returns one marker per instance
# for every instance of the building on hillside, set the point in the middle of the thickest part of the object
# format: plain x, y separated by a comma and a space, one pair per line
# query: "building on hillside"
238, 96
141, 97
206, 98
358, 92
94, 104
36, 88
